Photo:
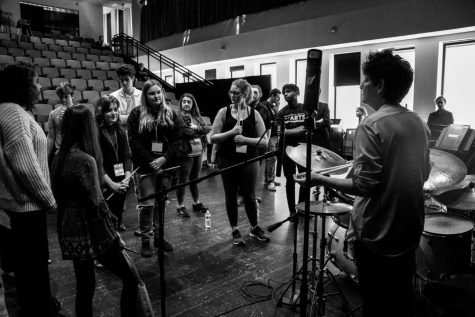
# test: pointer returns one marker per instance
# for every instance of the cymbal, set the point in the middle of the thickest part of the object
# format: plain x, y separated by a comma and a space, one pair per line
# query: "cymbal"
466, 181
317, 207
446, 170
463, 199
321, 157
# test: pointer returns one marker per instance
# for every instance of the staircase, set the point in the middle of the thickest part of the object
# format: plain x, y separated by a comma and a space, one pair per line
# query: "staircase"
167, 71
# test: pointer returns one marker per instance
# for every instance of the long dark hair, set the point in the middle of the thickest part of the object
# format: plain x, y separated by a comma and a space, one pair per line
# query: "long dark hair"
17, 85
195, 110
78, 128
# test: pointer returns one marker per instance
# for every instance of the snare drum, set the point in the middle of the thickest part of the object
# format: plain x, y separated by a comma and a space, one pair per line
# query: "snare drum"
445, 246
337, 247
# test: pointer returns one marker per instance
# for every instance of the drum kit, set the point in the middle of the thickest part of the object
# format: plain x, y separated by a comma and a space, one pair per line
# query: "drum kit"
446, 242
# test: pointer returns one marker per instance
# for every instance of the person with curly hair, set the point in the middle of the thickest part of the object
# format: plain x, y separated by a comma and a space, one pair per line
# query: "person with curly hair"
239, 131
25, 192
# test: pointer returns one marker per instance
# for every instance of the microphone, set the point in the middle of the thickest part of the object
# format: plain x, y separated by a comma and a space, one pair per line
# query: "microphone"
281, 147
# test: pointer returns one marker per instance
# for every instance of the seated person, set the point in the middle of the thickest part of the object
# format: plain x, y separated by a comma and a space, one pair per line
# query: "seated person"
142, 73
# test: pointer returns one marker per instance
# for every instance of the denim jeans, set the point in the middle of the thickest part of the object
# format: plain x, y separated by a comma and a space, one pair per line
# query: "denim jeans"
190, 169
270, 161
148, 184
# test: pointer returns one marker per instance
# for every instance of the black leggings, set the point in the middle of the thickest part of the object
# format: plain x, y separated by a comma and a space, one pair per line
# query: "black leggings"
244, 178
113, 260
116, 205
289, 168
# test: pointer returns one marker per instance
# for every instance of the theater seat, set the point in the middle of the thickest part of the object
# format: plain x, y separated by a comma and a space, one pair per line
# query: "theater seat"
50, 72
58, 63
67, 73
84, 74
64, 55
25, 45
45, 83
32, 53
16, 51
91, 96
56, 81
88, 64
99, 74
41, 62
92, 57
80, 84
96, 84
82, 50
49, 54
112, 84
72, 63
69, 49
50, 97
24, 59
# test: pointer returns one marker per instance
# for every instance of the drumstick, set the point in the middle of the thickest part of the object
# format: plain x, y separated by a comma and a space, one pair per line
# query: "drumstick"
333, 169
125, 179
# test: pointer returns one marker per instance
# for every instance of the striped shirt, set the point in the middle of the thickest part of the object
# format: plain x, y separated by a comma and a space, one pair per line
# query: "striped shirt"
24, 175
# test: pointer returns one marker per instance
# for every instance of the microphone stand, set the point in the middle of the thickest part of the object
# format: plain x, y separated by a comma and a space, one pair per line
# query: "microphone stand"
304, 287
160, 201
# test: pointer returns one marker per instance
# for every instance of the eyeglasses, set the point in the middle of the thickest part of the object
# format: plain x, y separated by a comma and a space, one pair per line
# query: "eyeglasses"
235, 93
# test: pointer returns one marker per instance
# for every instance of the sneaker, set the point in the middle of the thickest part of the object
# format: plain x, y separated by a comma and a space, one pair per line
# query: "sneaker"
121, 227
98, 264
240, 201
146, 251
271, 187
259, 234
166, 245
181, 211
199, 207
237, 238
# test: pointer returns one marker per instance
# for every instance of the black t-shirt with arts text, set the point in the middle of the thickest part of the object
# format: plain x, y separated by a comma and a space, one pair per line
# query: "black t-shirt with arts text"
293, 117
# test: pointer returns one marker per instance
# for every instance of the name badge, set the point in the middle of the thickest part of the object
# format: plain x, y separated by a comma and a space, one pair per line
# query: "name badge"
119, 170
241, 148
157, 147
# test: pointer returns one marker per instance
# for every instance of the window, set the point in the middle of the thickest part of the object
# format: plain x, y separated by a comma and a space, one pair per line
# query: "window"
300, 73
347, 88
458, 78
237, 71
270, 69
210, 74
409, 55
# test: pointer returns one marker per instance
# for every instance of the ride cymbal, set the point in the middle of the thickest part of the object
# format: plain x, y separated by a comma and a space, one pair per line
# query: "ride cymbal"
446, 170
321, 157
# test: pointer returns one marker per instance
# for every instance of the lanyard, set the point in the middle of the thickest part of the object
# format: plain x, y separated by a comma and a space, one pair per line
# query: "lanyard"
115, 144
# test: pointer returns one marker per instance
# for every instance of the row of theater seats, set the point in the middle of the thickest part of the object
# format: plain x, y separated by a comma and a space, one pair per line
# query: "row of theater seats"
41, 113
53, 67
18, 46
88, 96
80, 84
19, 52
46, 40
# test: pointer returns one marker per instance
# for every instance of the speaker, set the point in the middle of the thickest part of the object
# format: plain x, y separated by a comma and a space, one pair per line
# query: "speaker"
312, 79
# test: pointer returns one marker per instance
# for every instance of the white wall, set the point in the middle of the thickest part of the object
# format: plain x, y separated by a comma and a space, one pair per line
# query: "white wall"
90, 15
365, 26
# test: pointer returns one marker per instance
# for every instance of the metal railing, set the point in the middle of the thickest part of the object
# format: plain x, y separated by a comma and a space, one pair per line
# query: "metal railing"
160, 65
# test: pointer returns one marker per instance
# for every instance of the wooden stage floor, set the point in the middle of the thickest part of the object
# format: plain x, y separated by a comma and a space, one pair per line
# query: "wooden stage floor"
205, 272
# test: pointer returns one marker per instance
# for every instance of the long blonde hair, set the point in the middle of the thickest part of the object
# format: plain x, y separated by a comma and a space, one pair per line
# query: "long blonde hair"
147, 119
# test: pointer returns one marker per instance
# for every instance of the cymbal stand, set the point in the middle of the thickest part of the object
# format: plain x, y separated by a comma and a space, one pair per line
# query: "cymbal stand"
293, 298
319, 295
304, 287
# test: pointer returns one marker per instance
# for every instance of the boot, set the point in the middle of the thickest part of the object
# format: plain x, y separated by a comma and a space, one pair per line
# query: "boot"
146, 251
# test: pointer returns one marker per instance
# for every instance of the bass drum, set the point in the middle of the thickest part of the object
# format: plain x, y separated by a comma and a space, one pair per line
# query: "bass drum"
445, 246
337, 248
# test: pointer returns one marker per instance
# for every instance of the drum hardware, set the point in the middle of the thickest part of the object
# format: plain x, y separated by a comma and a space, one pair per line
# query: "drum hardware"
320, 271
462, 199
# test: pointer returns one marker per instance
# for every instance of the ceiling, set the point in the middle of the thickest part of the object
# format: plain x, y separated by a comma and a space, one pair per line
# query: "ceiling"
108, 3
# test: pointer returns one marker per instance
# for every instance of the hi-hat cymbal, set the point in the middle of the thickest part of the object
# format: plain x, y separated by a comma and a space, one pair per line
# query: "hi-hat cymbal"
466, 181
463, 199
446, 170
321, 157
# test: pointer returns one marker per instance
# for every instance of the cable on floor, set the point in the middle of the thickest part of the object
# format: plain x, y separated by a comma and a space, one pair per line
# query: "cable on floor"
268, 293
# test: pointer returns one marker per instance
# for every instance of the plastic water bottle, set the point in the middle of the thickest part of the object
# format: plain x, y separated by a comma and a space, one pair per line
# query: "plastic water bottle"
207, 220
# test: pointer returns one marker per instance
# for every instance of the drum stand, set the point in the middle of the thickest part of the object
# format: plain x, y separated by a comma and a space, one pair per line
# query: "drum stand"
318, 290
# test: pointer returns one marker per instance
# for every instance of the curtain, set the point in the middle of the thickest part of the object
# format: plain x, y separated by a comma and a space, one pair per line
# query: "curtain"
165, 17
